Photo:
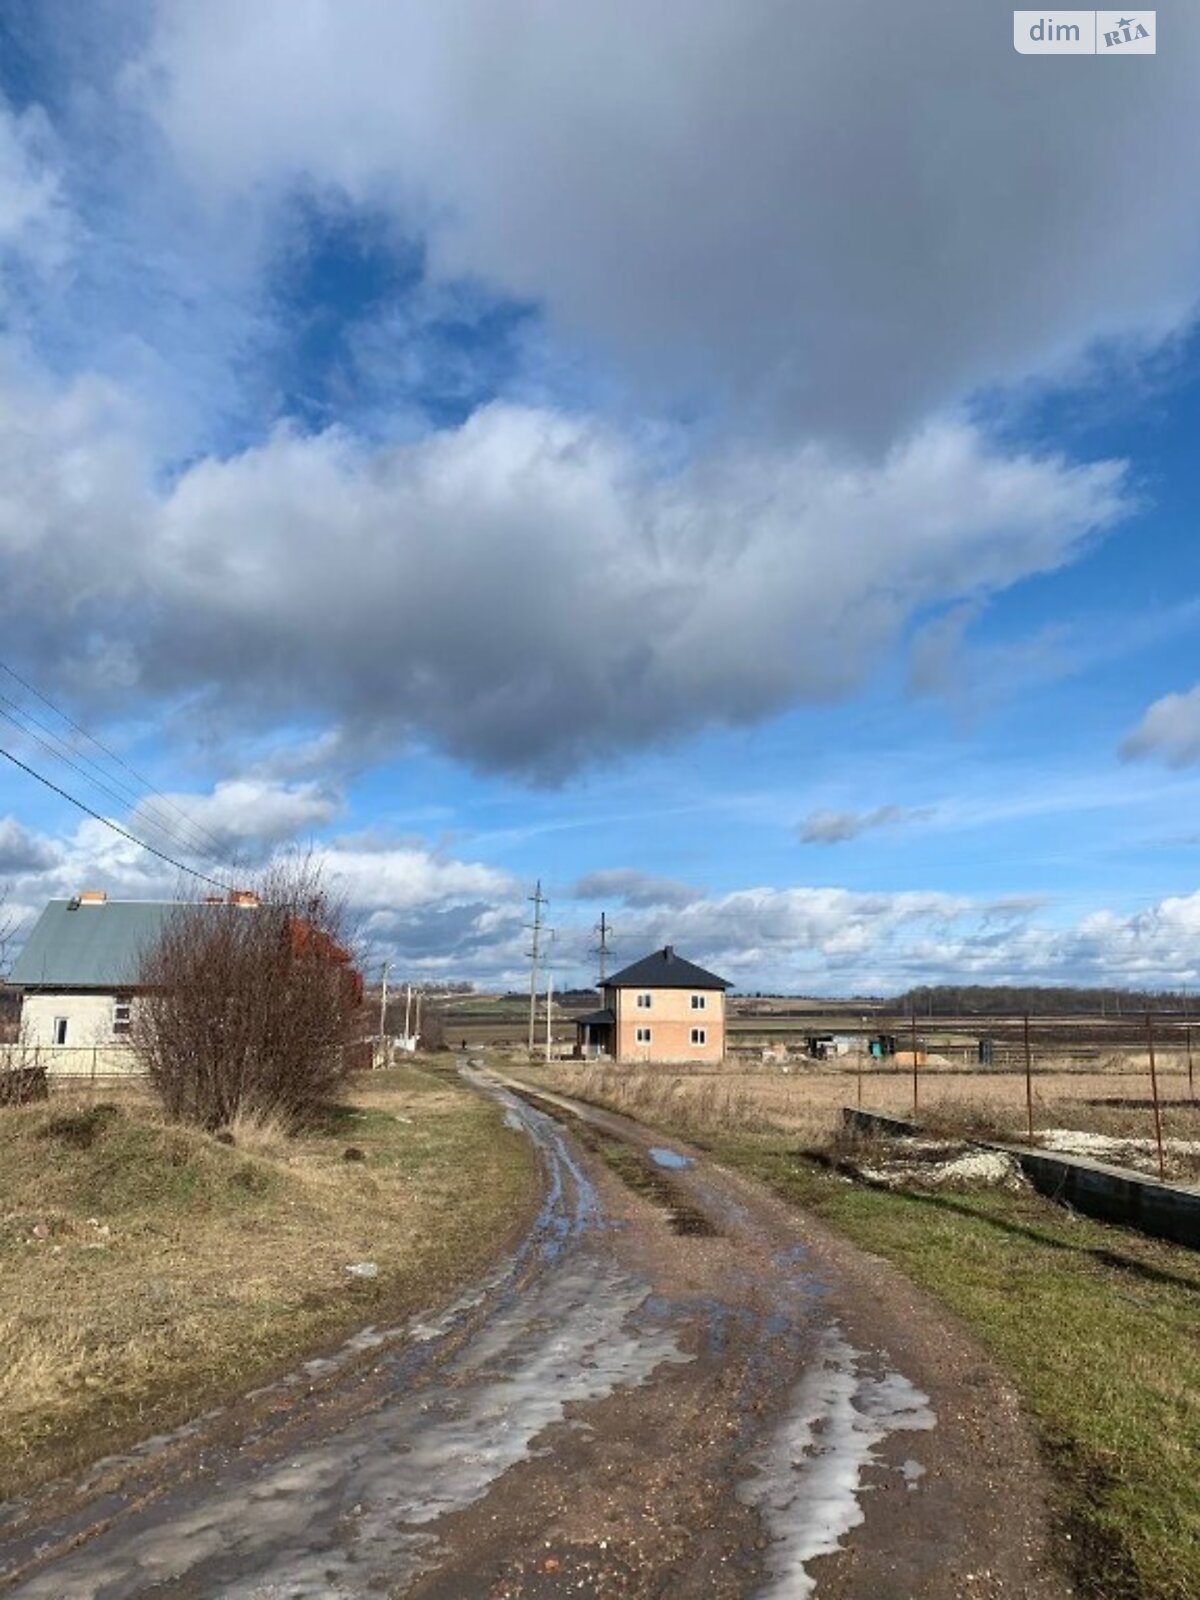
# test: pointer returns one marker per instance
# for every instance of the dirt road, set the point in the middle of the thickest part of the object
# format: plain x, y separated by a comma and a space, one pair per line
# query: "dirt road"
675, 1387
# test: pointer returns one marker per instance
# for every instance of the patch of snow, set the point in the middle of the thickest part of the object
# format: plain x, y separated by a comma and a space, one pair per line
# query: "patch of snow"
810, 1476
1075, 1142
969, 1166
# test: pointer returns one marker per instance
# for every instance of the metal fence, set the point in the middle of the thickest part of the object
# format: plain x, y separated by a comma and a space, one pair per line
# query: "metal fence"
89, 1061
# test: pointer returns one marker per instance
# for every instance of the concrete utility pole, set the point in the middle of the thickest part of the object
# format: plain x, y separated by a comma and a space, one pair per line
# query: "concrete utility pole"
535, 951
387, 967
549, 1009
601, 952
407, 1014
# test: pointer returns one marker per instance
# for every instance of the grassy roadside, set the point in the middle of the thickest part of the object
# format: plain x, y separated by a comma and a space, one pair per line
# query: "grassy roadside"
149, 1272
1098, 1328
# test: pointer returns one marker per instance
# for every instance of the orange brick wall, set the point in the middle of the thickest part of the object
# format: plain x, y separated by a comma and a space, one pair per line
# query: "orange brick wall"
670, 1019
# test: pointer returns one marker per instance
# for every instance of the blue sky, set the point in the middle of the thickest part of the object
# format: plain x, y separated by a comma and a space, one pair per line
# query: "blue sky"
742, 475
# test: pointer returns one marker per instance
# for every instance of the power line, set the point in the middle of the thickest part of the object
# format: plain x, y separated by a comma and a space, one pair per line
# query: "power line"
111, 754
112, 793
124, 833
108, 782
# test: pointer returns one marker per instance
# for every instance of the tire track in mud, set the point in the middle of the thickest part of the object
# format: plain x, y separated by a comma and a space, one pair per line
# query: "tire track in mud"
664, 1391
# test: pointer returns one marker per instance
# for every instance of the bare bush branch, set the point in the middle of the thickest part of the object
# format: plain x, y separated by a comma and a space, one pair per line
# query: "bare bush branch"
247, 1008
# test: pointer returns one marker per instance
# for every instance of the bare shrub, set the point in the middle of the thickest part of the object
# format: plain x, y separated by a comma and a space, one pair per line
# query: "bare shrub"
247, 1008
433, 1030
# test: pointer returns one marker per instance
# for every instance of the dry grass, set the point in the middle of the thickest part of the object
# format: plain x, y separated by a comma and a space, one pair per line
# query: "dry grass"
807, 1102
149, 1270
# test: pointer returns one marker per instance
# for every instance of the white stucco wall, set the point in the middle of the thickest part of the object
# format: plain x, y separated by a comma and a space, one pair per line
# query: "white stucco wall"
91, 1047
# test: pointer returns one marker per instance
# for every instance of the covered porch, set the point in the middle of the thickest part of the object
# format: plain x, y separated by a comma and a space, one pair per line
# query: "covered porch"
595, 1033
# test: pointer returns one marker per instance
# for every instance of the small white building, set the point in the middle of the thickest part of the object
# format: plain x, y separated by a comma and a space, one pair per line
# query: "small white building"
78, 974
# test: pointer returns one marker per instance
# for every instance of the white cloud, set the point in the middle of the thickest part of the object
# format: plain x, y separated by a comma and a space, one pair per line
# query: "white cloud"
239, 814
840, 222
36, 226
1170, 730
453, 588
434, 914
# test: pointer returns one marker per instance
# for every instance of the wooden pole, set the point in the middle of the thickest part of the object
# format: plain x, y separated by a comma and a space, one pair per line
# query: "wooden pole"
914, 1056
1162, 1169
1191, 1080
1028, 1079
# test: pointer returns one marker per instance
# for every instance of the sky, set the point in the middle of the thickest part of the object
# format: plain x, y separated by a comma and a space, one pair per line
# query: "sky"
734, 464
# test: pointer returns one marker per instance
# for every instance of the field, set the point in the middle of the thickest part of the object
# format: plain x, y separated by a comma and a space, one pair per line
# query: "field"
805, 1100
150, 1271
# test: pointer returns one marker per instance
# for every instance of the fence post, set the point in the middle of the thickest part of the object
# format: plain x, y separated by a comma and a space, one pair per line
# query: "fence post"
1028, 1079
1191, 1083
914, 1056
1162, 1170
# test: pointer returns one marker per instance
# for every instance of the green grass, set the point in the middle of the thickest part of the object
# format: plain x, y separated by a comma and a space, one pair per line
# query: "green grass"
1100, 1329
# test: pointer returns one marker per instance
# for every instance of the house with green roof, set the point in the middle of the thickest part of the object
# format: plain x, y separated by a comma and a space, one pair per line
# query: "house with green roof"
78, 977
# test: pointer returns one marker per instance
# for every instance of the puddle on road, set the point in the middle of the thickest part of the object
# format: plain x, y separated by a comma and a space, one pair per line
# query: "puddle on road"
671, 1159
810, 1475
341, 1516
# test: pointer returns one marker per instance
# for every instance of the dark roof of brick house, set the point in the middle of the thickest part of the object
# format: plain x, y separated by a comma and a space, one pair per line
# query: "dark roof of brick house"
664, 970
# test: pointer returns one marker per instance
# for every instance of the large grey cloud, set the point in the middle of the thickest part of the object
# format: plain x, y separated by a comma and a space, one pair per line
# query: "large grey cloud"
531, 590
22, 851
843, 220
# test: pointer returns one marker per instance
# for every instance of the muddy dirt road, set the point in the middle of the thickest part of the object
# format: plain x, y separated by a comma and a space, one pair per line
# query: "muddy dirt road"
675, 1387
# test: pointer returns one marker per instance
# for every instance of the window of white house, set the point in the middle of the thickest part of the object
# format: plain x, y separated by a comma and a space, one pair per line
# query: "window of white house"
60, 1030
643, 1036
699, 1036
643, 1001
699, 1001
122, 1014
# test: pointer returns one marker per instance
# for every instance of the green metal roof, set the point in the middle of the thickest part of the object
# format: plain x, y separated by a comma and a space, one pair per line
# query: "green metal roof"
75, 946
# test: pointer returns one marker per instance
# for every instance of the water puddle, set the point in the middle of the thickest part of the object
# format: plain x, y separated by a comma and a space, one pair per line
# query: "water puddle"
349, 1515
671, 1159
810, 1475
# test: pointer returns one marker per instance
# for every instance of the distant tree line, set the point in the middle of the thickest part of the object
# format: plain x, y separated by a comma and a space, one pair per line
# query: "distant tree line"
1039, 1000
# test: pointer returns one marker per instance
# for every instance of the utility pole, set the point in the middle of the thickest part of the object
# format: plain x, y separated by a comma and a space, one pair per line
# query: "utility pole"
407, 1014
549, 1010
417, 1018
535, 951
387, 967
601, 952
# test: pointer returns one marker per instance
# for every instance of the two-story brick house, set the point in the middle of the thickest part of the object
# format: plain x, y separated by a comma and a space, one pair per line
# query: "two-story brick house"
661, 1009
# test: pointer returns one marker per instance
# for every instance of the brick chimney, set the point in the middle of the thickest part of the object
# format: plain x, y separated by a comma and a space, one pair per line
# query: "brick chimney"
92, 897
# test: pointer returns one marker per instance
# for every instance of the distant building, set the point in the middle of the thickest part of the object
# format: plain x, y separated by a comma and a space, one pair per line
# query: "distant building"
661, 1010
